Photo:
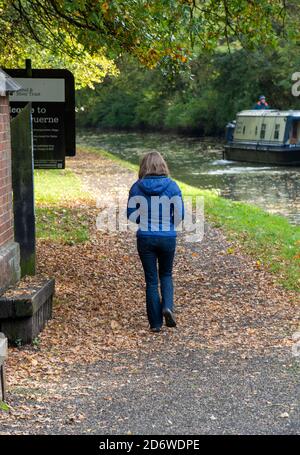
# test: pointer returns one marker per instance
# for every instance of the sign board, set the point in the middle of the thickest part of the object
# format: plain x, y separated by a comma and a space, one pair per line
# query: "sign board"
52, 94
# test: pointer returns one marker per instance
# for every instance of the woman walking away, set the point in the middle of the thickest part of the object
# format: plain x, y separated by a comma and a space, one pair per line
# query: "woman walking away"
155, 204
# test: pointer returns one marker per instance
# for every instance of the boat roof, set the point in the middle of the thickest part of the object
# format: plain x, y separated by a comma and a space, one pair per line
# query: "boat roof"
268, 113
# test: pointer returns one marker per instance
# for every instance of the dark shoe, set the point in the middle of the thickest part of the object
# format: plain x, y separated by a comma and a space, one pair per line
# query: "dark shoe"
169, 317
155, 329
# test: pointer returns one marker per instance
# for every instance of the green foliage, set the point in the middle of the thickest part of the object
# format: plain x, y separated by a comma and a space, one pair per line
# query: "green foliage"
36, 342
4, 407
158, 33
201, 99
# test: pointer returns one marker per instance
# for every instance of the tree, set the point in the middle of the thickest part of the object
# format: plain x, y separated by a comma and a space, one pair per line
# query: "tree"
159, 32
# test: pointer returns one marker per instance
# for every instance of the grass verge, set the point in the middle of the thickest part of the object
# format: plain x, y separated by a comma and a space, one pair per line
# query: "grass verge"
270, 239
58, 194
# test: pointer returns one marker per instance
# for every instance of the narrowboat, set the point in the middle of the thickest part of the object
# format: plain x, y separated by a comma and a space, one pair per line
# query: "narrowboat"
264, 136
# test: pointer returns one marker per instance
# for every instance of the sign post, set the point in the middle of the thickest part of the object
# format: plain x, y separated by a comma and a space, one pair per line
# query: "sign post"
23, 188
52, 94
3, 356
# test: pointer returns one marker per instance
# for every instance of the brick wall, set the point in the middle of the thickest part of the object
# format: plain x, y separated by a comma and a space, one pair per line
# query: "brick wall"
9, 250
6, 213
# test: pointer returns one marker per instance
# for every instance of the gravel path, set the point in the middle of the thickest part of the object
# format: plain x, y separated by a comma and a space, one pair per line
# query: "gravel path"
227, 369
167, 392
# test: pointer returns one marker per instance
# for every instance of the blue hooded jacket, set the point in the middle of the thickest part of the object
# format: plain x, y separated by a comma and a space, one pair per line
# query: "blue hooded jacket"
155, 204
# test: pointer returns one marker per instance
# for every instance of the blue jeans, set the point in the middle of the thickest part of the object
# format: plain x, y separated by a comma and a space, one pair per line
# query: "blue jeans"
161, 250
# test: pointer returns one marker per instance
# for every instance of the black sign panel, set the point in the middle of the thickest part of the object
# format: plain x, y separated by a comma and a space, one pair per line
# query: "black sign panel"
52, 95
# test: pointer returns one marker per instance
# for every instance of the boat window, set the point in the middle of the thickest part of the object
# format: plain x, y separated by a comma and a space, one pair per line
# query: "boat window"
263, 131
276, 132
294, 138
244, 129
256, 129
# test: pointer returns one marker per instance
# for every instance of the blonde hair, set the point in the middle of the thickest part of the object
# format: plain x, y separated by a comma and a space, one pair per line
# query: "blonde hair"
153, 164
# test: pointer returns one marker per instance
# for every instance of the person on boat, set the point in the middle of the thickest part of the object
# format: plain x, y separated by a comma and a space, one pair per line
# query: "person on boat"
230, 127
155, 204
262, 104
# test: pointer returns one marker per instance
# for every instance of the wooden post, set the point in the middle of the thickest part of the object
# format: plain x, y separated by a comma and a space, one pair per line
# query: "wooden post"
3, 382
3, 355
28, 67
22, 178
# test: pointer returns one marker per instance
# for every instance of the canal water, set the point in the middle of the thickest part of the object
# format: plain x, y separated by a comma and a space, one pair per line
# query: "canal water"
199, 162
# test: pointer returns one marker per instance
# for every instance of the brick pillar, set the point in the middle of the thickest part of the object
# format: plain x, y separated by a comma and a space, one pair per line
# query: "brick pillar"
9, 250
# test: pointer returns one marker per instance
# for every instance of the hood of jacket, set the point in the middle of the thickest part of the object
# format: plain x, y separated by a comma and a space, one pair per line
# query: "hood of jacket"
154, 185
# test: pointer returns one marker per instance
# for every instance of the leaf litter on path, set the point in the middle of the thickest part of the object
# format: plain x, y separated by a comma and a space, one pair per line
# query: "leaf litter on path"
223, 301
